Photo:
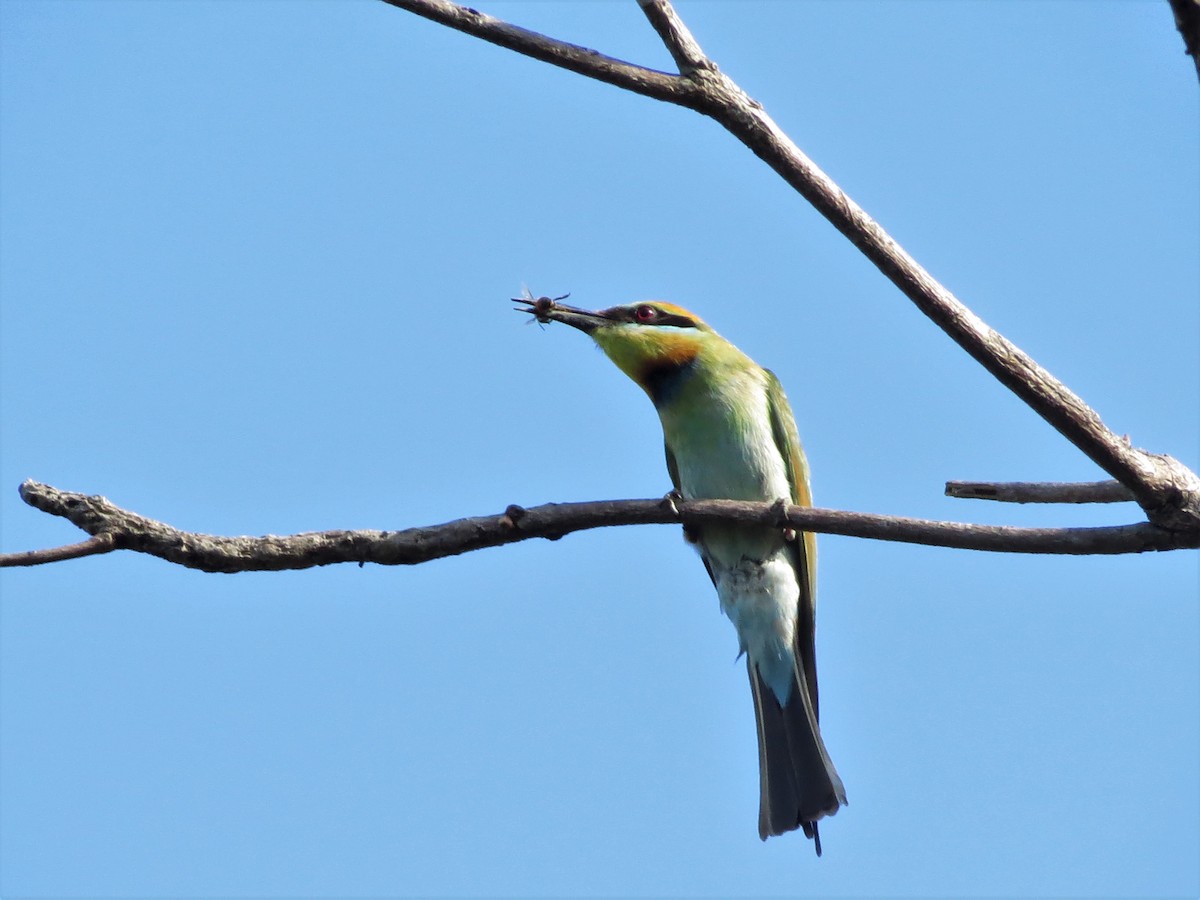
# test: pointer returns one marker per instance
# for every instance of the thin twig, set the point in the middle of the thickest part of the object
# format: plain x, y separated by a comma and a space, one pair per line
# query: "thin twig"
1167, 490
212, 553
93, 546
1041, 491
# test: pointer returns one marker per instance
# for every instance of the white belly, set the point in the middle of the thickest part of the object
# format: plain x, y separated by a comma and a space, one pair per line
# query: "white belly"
761, 598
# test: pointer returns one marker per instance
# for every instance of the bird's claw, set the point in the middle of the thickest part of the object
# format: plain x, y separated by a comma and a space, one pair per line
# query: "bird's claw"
779, 508
671, 501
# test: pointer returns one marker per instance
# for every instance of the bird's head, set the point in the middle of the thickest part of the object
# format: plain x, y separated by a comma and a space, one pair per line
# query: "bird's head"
651, 341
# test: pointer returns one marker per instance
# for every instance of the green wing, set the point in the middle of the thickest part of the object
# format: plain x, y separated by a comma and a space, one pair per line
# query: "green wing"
804, 550
690, 535
672, 466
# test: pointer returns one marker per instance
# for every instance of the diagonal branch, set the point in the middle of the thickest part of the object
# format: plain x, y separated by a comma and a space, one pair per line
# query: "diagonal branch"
639, 79
122, 529
1166, 490
676, 36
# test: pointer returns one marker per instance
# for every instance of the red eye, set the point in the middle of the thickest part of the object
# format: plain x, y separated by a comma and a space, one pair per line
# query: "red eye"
645, 313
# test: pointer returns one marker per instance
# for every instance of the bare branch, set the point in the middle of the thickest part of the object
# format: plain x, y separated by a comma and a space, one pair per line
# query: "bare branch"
585, 61
104, 542
1041, 491
675, 35
1168, 491
210, 553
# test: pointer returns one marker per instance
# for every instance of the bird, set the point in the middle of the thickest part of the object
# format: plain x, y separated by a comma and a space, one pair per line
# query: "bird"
729, 433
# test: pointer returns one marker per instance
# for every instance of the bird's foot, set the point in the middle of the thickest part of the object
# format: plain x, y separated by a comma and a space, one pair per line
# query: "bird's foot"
671, 501
780, 508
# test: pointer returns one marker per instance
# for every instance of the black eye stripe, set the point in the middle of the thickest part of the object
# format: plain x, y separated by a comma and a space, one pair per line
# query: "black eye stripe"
665, 318
661, 317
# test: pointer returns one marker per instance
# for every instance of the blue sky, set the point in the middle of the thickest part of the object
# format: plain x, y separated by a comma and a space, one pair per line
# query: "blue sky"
254, 262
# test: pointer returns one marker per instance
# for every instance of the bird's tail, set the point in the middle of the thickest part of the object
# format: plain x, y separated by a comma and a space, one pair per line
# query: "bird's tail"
799, 785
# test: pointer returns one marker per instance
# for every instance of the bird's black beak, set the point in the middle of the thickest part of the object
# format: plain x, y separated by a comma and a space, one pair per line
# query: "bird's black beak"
547, 309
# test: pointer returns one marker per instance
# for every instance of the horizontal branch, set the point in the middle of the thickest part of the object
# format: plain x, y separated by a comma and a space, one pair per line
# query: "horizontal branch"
1041, 491
210, 553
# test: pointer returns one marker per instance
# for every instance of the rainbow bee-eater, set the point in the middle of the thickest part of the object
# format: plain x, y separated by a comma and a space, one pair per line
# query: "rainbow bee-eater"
730, 434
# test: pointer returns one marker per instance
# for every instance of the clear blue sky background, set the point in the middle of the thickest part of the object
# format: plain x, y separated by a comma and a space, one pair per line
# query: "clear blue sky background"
255, 266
